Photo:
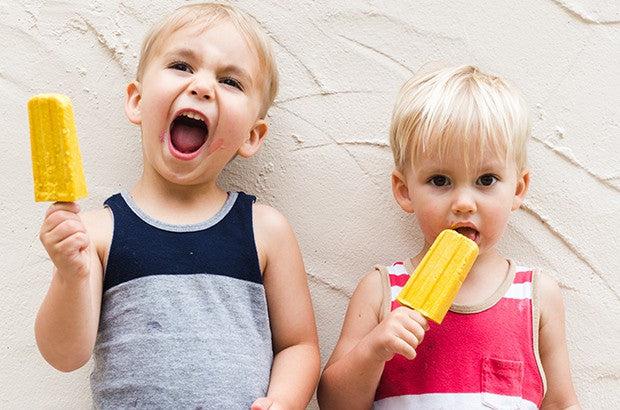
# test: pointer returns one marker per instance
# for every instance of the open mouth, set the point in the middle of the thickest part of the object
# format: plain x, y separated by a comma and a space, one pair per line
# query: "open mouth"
188, 132
470, 233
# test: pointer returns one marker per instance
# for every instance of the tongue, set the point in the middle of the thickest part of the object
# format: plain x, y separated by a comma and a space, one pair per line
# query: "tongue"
186, 138
467, 232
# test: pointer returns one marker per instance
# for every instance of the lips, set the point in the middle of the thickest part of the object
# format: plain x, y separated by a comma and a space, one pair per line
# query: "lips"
188, 133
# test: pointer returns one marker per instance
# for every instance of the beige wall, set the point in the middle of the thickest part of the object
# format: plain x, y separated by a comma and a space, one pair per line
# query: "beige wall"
326, 163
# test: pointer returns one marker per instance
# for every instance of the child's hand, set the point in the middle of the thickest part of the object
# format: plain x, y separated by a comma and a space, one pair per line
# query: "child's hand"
65, 239
264, 403
399, 332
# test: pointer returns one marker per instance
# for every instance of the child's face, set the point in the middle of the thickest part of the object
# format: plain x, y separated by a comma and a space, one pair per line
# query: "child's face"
476, 201
198, 104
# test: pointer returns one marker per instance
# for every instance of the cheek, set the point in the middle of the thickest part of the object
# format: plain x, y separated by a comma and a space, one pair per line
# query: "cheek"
497, 219
429, 218
234, 125
237, 110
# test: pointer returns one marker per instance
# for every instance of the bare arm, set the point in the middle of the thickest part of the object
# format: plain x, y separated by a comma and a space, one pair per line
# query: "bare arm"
297, 362
553, 351
352, 373
67, 321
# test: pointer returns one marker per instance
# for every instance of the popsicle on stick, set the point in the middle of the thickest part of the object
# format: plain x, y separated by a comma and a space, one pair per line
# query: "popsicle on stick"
432, 287
56, 159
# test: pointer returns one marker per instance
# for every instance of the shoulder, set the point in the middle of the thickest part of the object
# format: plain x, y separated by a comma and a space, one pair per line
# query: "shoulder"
550, 297
371, 283
97, 219
373, 289
269, 221
548, 289
273, 235
99, 225
367, 306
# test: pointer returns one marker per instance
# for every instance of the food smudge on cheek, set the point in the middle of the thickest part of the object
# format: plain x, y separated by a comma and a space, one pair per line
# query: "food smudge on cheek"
215, 145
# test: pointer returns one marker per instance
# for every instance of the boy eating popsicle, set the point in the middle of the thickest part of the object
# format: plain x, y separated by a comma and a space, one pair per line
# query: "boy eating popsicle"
459, 142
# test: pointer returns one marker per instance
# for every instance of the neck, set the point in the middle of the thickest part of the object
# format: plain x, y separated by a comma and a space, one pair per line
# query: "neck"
487, 265
177, 204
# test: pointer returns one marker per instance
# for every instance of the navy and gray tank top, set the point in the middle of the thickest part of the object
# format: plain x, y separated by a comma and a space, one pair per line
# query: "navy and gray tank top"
184, 321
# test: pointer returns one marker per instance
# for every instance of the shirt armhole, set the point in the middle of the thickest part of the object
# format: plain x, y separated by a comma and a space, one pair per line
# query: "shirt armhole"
104, 263
536, 326
386, 294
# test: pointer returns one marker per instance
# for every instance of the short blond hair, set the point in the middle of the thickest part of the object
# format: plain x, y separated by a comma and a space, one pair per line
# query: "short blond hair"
209, 14
459, 109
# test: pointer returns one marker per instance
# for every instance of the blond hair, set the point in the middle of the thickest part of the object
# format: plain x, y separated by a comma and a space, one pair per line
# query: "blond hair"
209, 14
462, 110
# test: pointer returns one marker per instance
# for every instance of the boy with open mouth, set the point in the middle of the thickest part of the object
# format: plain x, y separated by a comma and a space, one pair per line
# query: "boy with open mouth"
188, 296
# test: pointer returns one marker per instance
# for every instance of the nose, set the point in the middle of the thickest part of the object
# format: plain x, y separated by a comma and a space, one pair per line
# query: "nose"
202, 88
463, 202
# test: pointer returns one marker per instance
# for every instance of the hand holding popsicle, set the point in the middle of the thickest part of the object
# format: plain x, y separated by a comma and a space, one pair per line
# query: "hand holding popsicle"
434, 284
428, 294
58, 176
401, 331
66, 241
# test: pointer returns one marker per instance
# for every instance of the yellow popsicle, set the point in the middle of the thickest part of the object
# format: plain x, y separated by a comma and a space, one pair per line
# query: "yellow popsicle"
432, 287
56, 159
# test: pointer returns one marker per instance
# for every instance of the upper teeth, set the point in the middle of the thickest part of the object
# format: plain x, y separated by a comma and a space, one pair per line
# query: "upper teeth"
192, 115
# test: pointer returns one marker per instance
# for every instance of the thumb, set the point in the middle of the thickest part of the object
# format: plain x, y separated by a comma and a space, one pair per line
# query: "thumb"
262, 403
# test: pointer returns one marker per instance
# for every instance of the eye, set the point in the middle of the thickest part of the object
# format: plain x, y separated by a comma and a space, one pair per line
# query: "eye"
487, 180
181, 66
439, 180
231, 82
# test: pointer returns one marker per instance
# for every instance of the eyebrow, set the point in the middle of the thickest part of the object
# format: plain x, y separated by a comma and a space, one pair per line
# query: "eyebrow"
238, 71
229, 68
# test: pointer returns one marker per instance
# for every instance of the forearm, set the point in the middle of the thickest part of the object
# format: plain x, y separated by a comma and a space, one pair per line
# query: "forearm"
351, 381
66, 324
294, 375
562, 404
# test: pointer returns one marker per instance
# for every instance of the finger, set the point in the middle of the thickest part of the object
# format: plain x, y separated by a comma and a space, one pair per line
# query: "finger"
78, 241
72, 207
412, 338
424, 322
408, 317
262, 403
55, 219
63, 231
417, 316
404, 348
403, 310
415, 328
59, 216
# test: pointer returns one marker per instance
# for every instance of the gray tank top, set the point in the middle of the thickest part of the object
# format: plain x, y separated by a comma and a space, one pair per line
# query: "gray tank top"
184, 321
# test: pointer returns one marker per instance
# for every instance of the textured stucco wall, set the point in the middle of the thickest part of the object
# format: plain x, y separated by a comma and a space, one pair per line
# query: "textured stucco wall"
326, 163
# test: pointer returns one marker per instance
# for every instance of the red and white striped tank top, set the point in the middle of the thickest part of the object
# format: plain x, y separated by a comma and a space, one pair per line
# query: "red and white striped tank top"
483, 356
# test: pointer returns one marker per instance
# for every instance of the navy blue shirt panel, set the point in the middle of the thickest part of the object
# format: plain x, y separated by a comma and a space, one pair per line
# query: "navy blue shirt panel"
140, 249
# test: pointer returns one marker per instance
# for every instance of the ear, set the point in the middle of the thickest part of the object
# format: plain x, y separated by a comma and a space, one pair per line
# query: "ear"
255, 139
133, 96
523, 183
401, 191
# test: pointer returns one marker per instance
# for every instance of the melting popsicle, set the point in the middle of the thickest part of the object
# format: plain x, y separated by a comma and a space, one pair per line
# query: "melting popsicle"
432, 287
56, 159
